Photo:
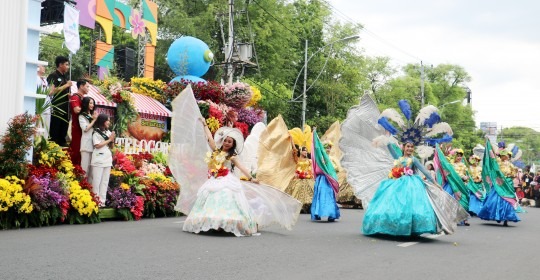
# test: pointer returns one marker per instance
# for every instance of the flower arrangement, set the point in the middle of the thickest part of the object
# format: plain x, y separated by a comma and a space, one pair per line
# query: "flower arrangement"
159, 198
211, 90
243, 127
170, 91
50, 203
215, 161
255, 97
148, 87
14, 203
113, 89
152, 168
15, 144
81, 200
123, 163
237, 95
213, 124
123, 200
217, 112
51, 155
250, 116
399, 171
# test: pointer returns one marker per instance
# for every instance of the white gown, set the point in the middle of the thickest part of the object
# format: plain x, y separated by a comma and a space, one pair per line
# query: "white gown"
224, 202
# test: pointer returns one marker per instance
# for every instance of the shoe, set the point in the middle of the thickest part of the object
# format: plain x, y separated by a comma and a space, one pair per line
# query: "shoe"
505, 223
331, 220
465, 223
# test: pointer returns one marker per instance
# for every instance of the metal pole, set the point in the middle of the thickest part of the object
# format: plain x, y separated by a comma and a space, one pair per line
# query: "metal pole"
304, 97
422, 82
230, 51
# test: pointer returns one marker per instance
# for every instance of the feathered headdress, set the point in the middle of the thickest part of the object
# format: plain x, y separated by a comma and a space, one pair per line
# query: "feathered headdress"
302, 139
424, 129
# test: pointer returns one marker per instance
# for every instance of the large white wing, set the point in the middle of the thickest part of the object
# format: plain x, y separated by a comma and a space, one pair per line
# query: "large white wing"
188, 148
249, 154
366, 164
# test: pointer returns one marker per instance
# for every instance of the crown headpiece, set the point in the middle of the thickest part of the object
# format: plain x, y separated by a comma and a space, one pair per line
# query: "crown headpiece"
424, 129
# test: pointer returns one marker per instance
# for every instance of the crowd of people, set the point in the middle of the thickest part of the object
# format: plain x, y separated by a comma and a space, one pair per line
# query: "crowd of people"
89, 139
408, 199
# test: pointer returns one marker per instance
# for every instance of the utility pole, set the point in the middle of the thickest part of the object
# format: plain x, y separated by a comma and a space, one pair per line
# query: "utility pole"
230, 49
422, 83
304, 95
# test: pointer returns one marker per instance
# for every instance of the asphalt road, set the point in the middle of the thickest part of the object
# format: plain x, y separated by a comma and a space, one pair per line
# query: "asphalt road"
159, 249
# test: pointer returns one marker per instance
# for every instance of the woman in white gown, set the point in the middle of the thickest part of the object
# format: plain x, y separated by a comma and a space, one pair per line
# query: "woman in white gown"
211, 196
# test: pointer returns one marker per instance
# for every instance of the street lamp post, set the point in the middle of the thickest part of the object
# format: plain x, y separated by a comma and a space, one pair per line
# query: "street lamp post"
306, 60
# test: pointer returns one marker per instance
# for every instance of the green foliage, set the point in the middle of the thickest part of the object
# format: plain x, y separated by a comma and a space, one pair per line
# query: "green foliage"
528, 141
15, 143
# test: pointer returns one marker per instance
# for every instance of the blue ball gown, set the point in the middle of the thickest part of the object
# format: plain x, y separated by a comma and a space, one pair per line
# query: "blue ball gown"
401, 206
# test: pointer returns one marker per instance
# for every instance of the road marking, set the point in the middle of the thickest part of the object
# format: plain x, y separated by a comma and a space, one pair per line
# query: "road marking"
407, 244
179, 222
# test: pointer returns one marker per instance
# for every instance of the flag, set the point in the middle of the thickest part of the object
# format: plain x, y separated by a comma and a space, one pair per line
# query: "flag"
71, 28
494, 178
461, 192
322, 165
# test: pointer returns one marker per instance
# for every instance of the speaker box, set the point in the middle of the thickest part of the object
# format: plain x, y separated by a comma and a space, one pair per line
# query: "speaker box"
126, 62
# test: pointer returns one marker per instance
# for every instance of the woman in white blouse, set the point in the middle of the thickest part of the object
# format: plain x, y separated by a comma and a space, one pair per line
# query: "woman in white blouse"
102, 156
87, 119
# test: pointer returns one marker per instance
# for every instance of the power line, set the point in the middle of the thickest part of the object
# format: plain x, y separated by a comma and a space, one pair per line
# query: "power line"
271, 15
369, 32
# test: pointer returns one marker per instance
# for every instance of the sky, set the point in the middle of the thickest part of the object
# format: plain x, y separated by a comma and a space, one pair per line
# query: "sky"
496, 42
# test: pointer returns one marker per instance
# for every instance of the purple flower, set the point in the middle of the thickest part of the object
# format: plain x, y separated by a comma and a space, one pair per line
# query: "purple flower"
249, 115
50, 194
120, 198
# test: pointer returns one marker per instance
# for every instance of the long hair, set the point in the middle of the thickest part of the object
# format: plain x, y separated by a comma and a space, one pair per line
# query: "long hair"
300, 150
86, 104
100, 122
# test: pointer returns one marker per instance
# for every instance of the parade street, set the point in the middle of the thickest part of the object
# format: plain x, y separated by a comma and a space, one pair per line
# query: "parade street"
159, 249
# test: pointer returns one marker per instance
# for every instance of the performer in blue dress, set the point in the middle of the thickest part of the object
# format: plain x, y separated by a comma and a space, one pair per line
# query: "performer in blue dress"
402, 204
326, 185
501, 202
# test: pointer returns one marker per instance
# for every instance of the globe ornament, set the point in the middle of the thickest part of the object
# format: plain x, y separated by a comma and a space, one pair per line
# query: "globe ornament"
189, 56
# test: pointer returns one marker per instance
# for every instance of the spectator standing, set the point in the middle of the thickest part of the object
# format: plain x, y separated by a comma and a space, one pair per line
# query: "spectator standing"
75, 103
87, 119
101, 157
60, 85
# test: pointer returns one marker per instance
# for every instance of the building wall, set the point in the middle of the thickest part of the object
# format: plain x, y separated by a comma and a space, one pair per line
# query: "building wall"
19, 48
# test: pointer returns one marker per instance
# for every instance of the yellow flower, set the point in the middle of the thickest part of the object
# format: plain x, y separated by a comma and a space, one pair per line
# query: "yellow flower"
125, 186
255, 97
213, 124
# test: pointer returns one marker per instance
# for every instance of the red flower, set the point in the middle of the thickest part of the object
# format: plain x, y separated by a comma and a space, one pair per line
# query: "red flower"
396, 172
243, 127
41, 171
138, 209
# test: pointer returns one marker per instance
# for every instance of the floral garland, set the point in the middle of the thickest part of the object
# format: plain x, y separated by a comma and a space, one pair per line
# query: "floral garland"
113, 90
303, 170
